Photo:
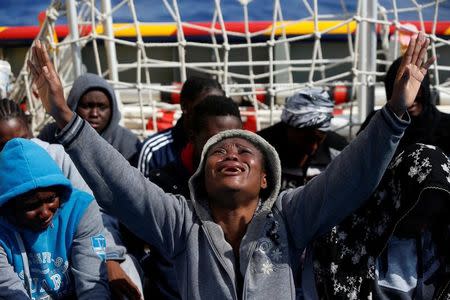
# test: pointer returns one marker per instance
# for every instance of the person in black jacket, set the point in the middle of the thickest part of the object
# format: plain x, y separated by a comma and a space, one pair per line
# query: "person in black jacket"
428, 124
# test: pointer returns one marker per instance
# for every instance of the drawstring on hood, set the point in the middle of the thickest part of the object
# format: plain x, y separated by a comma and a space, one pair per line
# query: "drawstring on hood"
272, 166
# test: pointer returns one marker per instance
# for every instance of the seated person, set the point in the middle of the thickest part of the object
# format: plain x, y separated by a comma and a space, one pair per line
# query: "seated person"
94, 100
303, 138
123, 275
51, 235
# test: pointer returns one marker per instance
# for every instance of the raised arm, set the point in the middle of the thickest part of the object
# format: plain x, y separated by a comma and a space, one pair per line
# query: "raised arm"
351, 178
156, 217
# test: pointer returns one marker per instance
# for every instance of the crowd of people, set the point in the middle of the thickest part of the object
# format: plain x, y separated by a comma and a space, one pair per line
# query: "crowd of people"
207, 210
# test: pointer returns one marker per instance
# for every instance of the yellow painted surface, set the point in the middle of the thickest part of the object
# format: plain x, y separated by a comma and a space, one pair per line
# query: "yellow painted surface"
146, 30
307, 27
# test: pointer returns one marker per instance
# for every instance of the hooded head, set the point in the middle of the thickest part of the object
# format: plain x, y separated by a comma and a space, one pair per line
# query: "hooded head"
267, 161
423, 99
94, 100
28, 172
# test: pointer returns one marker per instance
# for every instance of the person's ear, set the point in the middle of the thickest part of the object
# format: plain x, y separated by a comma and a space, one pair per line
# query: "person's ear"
264, 181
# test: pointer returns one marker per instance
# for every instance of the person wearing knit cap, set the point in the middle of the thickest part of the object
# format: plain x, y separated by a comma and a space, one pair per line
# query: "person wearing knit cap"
303, 138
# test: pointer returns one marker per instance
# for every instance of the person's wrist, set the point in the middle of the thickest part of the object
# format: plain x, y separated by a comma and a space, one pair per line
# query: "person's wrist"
398, 108
62, 116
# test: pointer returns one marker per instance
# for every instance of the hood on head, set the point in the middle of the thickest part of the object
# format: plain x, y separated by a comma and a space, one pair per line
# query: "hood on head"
89, 82
25, 166
271, 159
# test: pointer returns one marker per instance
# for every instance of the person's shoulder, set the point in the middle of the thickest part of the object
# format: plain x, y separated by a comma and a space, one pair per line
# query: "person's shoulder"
77, 203
48, 132
56, 151
128, 133
335, 141
172, 178
170, 170
159, 139
444, 118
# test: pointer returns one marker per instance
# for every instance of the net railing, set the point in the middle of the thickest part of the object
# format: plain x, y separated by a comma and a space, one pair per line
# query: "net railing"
258, 63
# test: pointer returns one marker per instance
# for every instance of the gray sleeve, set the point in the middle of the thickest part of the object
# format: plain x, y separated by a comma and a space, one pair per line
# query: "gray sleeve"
11, 287
71, 172
347, 182
88, 256
160, 219
115, 250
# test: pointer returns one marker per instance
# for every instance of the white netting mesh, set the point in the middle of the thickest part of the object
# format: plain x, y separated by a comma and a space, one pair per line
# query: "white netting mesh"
250, 59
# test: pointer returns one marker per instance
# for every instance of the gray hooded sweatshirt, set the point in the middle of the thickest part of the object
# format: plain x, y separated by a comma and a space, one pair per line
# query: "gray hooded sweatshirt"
126, 142
184, 231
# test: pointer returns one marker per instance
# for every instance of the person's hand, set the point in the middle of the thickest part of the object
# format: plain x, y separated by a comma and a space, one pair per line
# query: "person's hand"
120, 284
410, 74
48, 85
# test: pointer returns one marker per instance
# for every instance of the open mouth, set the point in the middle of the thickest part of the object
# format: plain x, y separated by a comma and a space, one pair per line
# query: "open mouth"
231, 170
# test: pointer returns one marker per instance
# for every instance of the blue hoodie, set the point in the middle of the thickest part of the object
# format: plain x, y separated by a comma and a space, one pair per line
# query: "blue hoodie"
49, 262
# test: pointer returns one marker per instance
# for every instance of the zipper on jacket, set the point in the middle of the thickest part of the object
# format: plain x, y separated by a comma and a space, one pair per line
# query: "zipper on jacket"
244, 288
222, 262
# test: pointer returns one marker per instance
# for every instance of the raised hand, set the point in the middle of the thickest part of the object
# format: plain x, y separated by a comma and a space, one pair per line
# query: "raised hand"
120, 284
410, 74
48, 85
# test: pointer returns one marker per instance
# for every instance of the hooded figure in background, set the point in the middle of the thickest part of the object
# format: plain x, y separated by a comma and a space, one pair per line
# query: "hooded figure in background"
428, 124
51, 235
94, 100
397, 246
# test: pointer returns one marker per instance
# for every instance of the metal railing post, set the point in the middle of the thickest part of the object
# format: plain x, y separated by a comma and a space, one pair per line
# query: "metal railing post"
367, 58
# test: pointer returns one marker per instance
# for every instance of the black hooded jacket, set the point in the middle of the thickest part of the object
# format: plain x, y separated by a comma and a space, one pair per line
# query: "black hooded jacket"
431, 127
119, 137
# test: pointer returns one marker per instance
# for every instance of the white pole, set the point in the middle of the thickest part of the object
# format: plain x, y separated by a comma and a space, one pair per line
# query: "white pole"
367, 58
110, 48
72, 19
109, 43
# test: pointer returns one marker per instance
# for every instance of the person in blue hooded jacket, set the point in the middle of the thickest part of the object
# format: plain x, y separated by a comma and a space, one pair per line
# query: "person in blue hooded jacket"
51, 235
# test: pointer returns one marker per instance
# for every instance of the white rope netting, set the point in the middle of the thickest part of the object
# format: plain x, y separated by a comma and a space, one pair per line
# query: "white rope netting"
257, 62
